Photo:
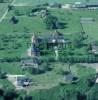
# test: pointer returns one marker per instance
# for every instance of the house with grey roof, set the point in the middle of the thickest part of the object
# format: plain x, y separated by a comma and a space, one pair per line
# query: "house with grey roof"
95, 49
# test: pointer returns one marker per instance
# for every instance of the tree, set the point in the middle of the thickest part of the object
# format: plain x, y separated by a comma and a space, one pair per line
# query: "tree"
1, 1
81, 96
28, 98
14, 20
10, 94
52, 22
10, 7
2, 74
77, 41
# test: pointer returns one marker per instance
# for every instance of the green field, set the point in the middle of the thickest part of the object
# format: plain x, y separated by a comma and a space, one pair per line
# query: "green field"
92, 30
3, 8
15, 39
27, 25
36, 24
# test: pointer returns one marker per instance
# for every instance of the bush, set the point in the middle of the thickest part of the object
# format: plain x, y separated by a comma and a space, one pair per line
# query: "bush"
14, 20
2, 74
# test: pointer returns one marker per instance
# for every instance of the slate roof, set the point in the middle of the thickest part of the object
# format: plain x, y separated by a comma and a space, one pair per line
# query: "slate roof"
22, 80
86, 5
31, 61
92, 4
69, 77
34, 49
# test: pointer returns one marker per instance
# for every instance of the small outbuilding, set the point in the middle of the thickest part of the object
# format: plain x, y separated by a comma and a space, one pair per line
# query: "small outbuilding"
23, 81
70, 78
55, 5
95, 49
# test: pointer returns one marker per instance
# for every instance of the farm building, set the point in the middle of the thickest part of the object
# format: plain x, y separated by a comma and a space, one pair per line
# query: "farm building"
49, 41
92, 4
23, 81
56, 38
67, 6
34, 50
79, 5
95, 49
55, 5
19, 80
34, 62
86, 5
69, 78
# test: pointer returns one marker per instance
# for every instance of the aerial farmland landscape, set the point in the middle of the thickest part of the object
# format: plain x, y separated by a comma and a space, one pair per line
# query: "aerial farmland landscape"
48, 49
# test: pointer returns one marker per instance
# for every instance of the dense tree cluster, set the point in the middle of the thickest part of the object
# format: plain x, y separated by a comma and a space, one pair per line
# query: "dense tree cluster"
52, 22
11, 94
2, 74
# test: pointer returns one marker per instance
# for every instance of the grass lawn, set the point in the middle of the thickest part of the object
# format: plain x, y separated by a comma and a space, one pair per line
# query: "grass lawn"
3, 7
36, 24
49, 79
48, 90
6, 84
71, 18
11, 68
54, 77
92, 30
13, 45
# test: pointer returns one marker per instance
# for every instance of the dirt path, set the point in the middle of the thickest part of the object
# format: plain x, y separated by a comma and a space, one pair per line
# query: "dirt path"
4, 15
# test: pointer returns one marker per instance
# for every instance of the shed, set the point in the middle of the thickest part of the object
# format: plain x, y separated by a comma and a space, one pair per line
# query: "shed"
95, 49
31, 62
23, 81
92, 4
69, 77
79, 5
55, 5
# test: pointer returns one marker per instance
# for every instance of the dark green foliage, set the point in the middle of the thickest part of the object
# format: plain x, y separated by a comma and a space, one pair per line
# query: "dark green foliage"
36, 9
5, 1
91, 81
14, 20
1, 1
10, 95
53, 23
81, 96
28, 98
2, 74
10, 7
